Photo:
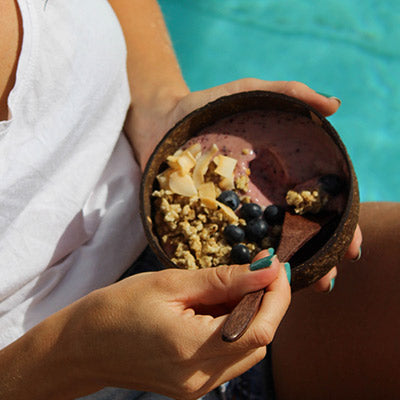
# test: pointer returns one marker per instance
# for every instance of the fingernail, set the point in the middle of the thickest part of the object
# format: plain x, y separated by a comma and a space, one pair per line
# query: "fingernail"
358, 255
332, 285
288, 271
271, 251
325, 95
261, 263
330, 97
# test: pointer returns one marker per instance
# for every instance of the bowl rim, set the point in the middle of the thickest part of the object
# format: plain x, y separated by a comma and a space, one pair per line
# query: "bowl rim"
353, 191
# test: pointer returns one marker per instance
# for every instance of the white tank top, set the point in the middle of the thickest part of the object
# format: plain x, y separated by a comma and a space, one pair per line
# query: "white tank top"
69, 220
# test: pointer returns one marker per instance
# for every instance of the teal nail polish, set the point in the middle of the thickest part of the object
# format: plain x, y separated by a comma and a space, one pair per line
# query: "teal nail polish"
325, 94
329, 96
288, 271
271, 251
261, 263
332, 285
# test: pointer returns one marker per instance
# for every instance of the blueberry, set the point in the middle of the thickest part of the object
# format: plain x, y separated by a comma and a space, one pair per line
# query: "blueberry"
274, 215
240, 254
256, 229
234, 234
332, 184
230, 199
250, 211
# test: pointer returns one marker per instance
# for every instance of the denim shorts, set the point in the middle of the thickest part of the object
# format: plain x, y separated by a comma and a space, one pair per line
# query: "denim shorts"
255, 384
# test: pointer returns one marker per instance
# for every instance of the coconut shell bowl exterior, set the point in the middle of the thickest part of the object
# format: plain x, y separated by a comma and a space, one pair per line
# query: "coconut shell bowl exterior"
313, 259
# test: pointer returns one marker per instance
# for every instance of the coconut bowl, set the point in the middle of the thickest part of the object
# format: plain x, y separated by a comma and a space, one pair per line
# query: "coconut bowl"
326, 249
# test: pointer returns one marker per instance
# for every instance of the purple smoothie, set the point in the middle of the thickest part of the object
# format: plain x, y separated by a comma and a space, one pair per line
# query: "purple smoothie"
282, 150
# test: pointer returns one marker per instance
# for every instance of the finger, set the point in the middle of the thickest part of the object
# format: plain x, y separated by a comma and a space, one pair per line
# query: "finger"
262, 329
327, 282
225, 308
354, 250
226, 283
324, 104
273, 307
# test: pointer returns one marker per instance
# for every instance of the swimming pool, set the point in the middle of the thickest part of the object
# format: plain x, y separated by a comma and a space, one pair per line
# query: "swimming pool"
346, 48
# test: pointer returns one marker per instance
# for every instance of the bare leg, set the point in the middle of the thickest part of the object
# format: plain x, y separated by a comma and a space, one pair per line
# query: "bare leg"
346, 344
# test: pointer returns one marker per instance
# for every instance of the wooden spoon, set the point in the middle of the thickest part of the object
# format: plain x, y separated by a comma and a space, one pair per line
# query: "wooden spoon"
296, 231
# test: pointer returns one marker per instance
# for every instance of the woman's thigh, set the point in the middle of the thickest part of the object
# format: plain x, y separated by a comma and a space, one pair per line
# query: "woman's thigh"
345, 344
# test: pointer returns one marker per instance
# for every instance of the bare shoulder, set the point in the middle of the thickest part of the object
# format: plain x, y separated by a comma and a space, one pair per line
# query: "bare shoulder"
10, 46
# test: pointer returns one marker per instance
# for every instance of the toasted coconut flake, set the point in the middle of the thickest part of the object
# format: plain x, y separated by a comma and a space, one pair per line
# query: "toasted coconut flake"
227, 183
163, 179
225, 165
229, 213
195, 150
207, 190
173, 157
212, 204
182, 163
182, 185
202, 165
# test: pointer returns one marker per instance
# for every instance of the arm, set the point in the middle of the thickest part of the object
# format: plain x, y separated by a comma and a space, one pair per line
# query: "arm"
160, 96
42, 364
173, 328
155, 78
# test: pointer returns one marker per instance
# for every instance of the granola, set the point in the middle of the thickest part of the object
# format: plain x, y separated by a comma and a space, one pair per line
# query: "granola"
189, 219
192, 231
192, 213
307, 201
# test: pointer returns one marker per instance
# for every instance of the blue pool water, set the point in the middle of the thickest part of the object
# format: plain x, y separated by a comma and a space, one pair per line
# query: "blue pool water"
347, 48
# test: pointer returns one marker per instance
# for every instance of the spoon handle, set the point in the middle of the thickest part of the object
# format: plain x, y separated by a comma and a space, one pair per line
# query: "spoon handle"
239, 319
296, 231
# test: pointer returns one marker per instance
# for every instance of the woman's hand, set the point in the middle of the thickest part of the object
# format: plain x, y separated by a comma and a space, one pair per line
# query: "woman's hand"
146, 124
161, 331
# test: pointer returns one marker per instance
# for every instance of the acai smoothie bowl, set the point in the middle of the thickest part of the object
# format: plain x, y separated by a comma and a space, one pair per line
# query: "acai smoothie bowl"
251, 171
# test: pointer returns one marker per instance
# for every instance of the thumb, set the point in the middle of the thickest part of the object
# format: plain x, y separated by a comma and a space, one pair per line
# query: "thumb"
225, 284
